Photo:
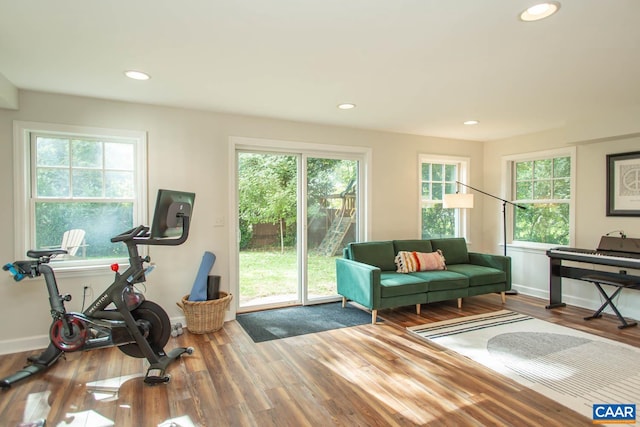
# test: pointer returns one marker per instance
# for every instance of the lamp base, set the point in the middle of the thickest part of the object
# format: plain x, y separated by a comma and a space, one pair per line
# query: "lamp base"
511, 292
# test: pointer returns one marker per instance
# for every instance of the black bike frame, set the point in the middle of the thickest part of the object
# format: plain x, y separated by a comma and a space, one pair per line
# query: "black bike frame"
97, 316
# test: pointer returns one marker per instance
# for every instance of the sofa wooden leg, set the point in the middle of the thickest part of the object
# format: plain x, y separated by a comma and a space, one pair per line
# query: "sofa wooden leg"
344, 302
418, 306
504, 297
459, 302
374, 316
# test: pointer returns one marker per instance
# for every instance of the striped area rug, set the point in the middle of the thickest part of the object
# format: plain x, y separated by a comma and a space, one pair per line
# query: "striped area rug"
572, 367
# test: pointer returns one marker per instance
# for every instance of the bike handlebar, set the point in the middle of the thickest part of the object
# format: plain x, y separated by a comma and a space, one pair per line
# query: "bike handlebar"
153, 241
141, 236
130, 234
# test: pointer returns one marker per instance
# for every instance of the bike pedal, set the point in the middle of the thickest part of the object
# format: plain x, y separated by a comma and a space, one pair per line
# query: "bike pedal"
156, 379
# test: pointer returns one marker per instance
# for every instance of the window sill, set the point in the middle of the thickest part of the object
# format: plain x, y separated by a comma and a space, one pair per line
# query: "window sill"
87, 270
530, 247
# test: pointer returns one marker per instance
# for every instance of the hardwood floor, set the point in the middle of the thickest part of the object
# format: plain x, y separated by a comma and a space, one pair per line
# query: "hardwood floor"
369, 375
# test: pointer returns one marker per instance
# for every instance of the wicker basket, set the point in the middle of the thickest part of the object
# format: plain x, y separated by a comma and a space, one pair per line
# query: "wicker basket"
205, 316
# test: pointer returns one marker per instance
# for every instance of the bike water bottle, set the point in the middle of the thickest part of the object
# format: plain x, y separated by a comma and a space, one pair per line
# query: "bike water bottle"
146, 272
132, 297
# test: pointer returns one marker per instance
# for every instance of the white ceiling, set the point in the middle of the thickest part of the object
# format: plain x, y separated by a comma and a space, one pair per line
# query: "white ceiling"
412, 66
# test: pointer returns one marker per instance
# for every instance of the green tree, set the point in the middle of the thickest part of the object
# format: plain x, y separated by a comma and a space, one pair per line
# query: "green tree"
544, 187
438, 222
268, 189
101, 221
78, 182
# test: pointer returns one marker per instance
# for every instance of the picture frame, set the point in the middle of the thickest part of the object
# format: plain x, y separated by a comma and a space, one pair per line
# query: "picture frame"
623, 184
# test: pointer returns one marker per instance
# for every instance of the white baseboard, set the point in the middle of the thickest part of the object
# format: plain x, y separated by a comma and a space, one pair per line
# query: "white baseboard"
40, 342
566, 297
24, 344
534, 292
628, 310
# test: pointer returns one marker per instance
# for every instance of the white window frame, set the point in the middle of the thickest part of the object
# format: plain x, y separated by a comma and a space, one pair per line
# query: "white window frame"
464, 167
24, 211
508, 190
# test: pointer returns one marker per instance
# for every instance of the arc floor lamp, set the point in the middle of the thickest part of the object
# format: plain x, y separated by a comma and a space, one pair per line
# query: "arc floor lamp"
465, 201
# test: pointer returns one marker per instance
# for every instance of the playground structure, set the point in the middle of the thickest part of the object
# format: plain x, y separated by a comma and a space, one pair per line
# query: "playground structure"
339, 220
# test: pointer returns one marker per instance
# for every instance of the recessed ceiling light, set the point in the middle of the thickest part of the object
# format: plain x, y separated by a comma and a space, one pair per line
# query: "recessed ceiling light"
346, 106
540, 11
137, 75
471, 122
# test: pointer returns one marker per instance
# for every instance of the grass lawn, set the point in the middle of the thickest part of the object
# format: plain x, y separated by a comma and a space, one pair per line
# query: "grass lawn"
268, 273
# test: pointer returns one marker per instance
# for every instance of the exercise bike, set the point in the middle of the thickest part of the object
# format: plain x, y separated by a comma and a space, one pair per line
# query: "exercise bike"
120, 316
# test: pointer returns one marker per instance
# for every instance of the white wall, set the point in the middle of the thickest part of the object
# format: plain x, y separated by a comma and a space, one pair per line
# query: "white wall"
8, 94
188, 150
593, 139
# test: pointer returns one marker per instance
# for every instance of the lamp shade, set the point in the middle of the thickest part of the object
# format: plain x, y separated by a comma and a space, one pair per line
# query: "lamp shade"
458, 200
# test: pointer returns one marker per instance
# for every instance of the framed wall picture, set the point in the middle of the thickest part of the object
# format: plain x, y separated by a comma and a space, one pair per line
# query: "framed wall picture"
623, 184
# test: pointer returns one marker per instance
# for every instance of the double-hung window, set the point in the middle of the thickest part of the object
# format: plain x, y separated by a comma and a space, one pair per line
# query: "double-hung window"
438, 176
543, 183
77, 188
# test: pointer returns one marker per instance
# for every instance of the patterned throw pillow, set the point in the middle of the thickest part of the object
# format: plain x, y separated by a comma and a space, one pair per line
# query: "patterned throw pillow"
408, 262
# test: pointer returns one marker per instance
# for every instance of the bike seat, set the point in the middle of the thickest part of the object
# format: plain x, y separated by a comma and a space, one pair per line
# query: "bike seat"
45, 253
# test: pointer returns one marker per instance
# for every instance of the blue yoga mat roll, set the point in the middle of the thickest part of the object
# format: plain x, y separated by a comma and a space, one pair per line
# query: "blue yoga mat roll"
199, 289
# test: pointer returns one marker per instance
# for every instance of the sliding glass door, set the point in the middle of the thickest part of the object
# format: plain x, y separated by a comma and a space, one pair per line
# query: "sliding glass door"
267, 223
331, 213
295, 214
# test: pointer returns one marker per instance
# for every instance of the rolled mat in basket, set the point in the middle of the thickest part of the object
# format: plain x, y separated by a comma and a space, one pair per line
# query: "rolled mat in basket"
205, 316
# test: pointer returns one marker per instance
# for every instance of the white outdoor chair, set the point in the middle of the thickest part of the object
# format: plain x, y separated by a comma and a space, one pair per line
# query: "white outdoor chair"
72, 240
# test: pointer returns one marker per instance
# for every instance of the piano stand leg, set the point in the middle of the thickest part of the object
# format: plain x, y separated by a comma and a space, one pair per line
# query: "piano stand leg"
609, 301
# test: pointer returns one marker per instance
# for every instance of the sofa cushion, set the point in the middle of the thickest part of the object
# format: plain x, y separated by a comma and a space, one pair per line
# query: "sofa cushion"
379, 254
408, 262
453, 249
412, 245
479, 275
442, 280
396, 284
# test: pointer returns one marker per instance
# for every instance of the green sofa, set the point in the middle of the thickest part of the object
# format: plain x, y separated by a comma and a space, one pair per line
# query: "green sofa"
367, 274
